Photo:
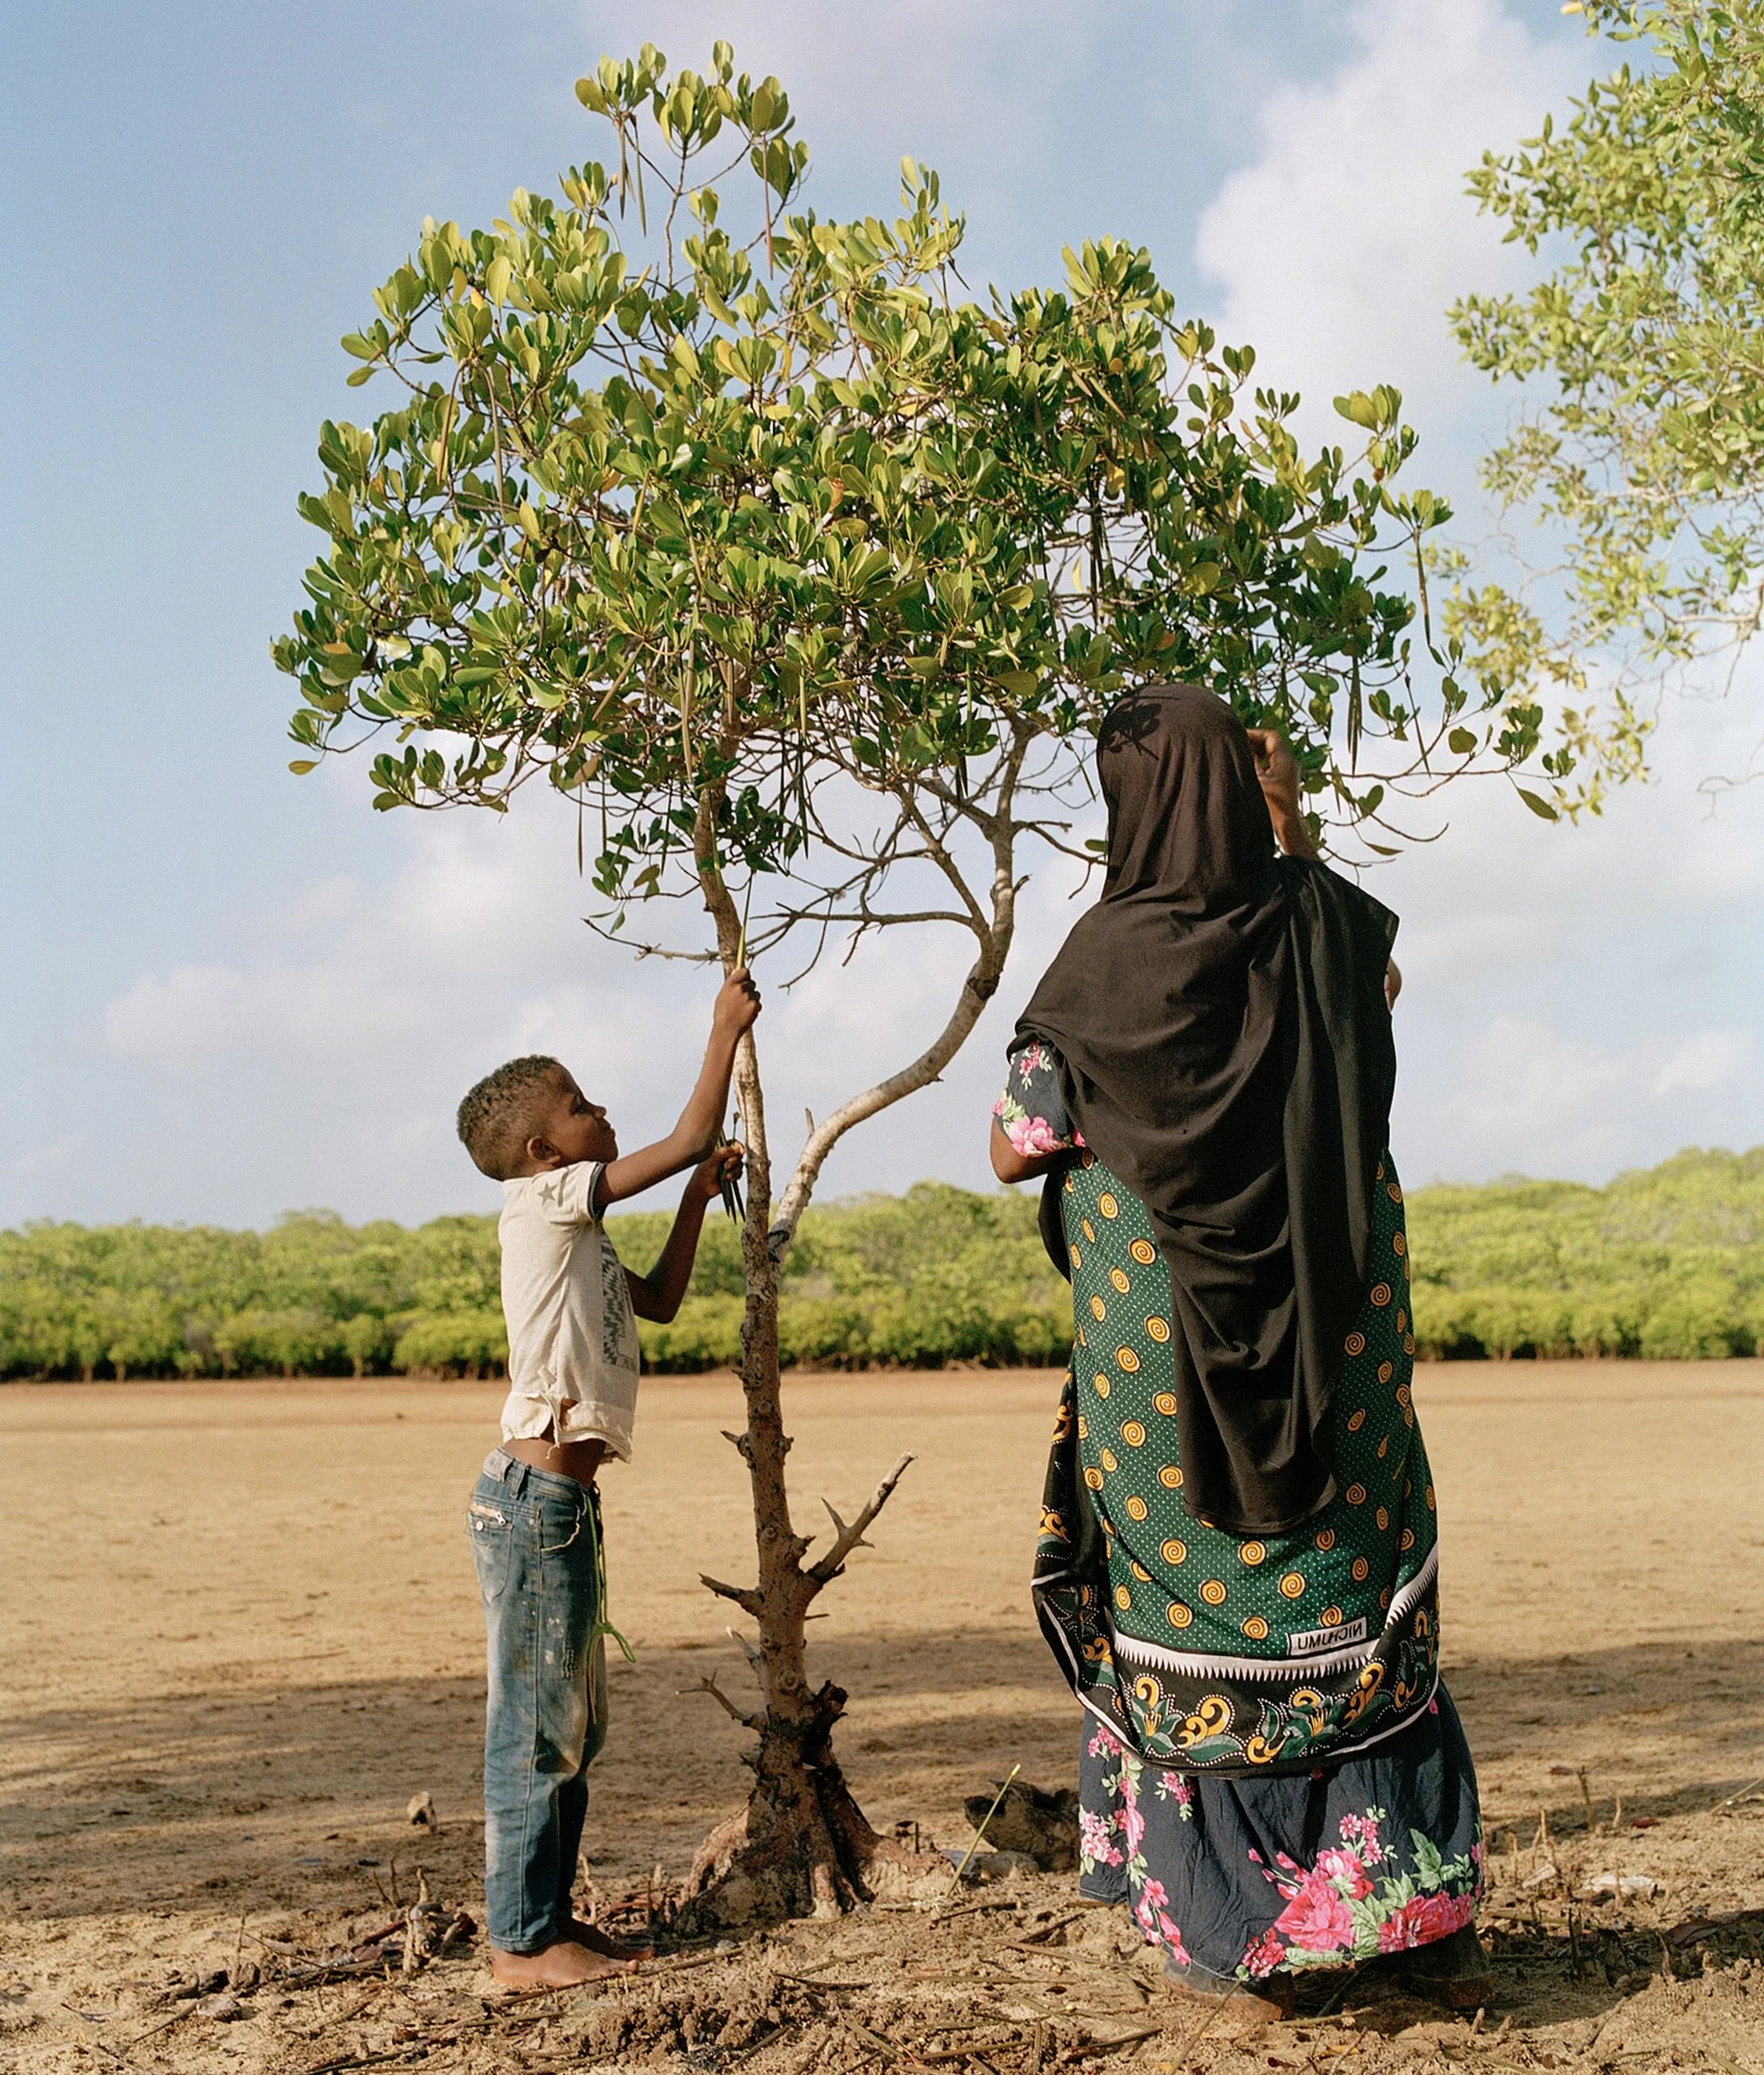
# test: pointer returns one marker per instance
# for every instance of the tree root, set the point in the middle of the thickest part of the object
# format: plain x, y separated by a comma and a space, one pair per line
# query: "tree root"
802, 1847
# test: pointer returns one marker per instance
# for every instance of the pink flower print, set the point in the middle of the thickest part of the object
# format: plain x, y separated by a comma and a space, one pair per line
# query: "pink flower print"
1171, 1932
1441, 1914
1032, 1136
1132, 1825
1345, 1870
1094, 1839
1264, 1956
1316, 1919
1423, 1920
1361, 1831
1152, 1913
1103, 1744
1397, 1932
1032, 1058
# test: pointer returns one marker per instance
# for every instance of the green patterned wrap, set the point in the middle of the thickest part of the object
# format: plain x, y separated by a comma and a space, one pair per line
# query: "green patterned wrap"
1204, 1651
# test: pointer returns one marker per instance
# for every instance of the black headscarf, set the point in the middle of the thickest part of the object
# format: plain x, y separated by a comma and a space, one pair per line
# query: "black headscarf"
1221, 1012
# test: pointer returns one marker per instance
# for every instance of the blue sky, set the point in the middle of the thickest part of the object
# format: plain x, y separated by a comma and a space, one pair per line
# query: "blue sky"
227, 992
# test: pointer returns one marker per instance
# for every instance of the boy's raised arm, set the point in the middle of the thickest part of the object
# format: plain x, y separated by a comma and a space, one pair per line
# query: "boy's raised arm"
658, 1295
737, 1005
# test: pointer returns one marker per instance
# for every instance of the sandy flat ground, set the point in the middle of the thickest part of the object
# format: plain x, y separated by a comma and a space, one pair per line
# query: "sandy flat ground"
241, 1630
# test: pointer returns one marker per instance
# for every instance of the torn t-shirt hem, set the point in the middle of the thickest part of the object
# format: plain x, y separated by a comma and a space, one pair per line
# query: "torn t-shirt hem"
565, 1419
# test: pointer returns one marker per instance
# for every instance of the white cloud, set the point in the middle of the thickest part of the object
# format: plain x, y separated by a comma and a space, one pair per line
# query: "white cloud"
1560, 1103
1580, 999
195, 1015
1712, 1060
1529, 1087
1339, 248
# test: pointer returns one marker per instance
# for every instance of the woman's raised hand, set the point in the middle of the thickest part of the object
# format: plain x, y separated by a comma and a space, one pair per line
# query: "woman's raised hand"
1277, 771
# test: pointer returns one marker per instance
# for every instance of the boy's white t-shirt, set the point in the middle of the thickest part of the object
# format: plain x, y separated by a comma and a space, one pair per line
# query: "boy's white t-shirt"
572, 1337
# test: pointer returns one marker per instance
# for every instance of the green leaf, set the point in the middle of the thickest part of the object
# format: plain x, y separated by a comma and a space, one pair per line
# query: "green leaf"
1461, 743
301, 765
1538, 807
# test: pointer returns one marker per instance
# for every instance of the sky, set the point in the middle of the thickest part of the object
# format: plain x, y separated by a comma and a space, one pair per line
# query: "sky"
229, 992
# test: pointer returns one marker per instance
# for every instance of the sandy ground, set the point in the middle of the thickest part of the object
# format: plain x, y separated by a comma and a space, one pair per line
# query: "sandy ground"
241, 1631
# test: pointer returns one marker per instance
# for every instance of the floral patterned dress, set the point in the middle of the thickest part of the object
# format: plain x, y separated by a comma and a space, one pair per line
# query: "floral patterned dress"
1271, 1775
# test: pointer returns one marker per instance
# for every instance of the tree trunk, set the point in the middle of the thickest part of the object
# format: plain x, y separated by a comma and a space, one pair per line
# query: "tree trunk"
801, 1846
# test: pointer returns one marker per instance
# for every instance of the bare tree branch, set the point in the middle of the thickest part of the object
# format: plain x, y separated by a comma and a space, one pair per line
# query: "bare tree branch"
743, 1596
851, 1537
756, 1660
709, 1686
995, 933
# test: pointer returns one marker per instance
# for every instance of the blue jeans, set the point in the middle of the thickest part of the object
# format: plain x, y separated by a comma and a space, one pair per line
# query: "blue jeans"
536, 1542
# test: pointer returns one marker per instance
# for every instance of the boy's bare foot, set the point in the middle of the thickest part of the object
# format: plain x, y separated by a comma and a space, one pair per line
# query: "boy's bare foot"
599, 1941
561, 1966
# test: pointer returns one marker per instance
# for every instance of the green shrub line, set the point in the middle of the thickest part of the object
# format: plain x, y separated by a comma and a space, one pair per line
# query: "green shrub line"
1666, 1263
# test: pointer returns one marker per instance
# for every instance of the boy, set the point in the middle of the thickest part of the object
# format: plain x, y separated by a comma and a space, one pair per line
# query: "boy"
535, 1513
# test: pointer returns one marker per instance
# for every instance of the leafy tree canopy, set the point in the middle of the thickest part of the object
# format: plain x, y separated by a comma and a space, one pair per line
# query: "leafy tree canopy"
1646, 460
693, 502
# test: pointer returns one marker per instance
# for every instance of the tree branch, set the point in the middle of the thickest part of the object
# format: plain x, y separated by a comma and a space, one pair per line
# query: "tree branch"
756, 1659
977, 988
743, 1596
709, 1686
848, 1537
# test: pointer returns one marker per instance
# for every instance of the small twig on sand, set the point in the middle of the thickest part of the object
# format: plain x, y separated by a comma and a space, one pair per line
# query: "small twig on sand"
1111, 2045
1338, 1994
360, 2060
980, 1829
1750, 1787
1586, 1797
165, 2024
875, 2039
1047, 1931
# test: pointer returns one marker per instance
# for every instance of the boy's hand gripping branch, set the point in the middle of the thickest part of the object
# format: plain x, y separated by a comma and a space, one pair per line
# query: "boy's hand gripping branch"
696, 1134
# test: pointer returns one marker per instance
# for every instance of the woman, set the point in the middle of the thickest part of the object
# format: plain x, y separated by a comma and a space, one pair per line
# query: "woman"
1236, 1569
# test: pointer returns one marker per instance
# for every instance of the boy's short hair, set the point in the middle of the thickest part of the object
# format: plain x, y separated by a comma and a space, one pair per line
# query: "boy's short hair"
496, 1114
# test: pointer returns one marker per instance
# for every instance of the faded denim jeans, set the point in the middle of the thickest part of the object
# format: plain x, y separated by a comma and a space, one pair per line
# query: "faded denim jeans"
536, 1542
